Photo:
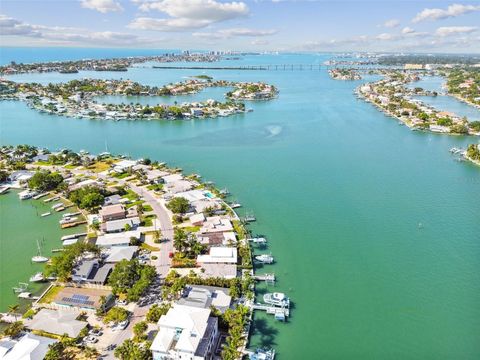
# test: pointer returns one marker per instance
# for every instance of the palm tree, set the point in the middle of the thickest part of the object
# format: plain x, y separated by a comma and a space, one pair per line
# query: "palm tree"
13, 310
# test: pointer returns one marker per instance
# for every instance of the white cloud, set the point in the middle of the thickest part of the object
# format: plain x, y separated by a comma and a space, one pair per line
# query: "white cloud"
454, 30
451, 11
10, 27
102, 6
385, 37
259, 42
187, 14
228, 33
407, 30
181, 24
391, 23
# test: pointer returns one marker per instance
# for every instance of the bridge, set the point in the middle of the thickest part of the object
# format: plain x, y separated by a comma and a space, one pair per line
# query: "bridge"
280, 67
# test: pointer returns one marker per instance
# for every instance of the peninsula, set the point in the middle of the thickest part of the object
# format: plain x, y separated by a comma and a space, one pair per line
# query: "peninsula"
160, 246
77, 98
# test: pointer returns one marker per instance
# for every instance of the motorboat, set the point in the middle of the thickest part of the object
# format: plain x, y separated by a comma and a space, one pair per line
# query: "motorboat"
38, 277
264, 258
276, 299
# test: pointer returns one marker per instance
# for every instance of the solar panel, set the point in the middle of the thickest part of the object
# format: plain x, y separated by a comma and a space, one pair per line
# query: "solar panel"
82, 301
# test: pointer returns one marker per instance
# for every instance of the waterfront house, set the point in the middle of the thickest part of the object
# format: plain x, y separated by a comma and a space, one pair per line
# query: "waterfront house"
123, 165
28, 347
92, 272
205, 297
121, 225
117, 239
84, 299
185, 332
85, 183
216, 224
58, 322
112, 212
219, 255
118, 253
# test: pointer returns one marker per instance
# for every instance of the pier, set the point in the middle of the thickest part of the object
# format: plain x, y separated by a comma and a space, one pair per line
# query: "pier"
268, 278
271, 309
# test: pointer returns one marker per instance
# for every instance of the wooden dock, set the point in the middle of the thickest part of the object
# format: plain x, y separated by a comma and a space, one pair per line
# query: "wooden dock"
73, 224
271, 309
268, 278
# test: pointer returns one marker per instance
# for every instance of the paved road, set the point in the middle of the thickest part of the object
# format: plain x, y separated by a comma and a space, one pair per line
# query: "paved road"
163, 262
120, 336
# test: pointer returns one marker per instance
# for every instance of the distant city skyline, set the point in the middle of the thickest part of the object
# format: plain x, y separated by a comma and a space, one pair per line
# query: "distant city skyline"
272, 25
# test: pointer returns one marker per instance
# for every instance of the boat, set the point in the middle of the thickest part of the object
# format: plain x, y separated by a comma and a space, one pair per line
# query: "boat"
21, 287
258, 240
249, 217
68, 220
26, 194
24, 295
46, 214
38, 277
276, 299
39, 258
4, 189
263, 354
280, 316
264, 258
224, 192
69, 242
235, 205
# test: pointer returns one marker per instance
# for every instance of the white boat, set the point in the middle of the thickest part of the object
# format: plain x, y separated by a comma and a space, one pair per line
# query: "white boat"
24, 295
235, 205
21, 287
69, 242
258, 240
276, 299
57, 206
263, 354
38, 277
67, 220
26, 194
4, 189
264, 258
39, 258
46, 214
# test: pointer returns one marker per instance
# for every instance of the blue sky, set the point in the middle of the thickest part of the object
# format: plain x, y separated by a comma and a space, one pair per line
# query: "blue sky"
284, 25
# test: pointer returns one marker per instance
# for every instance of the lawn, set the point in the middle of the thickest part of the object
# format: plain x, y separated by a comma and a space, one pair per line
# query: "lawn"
51, 294
99, 166
149, 247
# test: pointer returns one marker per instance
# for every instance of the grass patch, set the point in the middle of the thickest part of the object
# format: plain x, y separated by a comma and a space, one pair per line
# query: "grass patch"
42, 163
131, 195
155, 187
147, 208
51, 294
121, 176
99, 166
135, 203
71, 166
149, 247
191, 229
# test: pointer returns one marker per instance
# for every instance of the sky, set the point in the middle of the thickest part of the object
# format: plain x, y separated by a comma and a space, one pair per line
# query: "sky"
245, 25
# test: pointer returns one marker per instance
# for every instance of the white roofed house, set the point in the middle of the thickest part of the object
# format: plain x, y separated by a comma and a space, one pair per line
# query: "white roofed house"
185, 332
121, 225
124, 165
28, 347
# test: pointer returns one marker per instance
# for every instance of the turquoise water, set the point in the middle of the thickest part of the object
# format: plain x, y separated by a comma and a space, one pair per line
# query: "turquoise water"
340, 190
20, 227
444, 102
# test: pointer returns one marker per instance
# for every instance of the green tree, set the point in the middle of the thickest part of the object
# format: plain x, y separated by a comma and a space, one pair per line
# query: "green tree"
156, 311
178, 205
130, 350
14, 329
139, 331
13, 310
116, 314
45, 180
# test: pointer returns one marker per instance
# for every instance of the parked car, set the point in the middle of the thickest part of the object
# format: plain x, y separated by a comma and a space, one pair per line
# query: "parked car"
123, 324
91, 339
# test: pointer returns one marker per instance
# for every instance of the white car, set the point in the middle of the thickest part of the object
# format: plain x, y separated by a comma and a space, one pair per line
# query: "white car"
91, 339
120, 326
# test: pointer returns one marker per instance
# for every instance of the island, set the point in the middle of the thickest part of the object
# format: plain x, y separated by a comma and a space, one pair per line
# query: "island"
395, 99
344, 74
163, 254
77, 98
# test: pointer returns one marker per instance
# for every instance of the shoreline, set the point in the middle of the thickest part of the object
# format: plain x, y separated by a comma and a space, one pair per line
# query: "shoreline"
246, 268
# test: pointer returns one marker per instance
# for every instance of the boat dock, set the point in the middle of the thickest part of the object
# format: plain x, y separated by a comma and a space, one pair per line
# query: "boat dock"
268, 278
73, 224
274, 310
55, 198
36, 197
73, 236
